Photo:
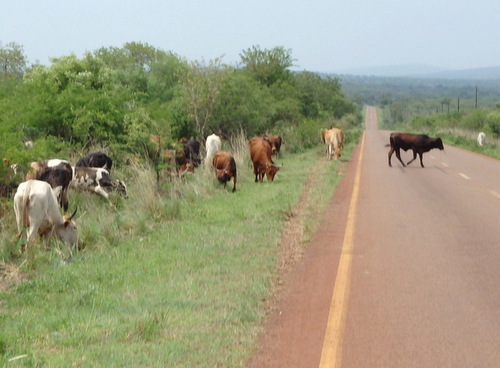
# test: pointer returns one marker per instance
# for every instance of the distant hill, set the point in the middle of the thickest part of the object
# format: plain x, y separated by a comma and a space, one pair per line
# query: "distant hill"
491, 73
425, 71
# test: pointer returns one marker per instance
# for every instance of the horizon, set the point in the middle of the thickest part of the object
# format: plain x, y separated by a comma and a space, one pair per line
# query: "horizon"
322, 35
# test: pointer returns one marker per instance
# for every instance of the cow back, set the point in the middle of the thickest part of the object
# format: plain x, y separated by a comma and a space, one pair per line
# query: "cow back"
192, 151
58, 173
96, 159
212, 145
260, 150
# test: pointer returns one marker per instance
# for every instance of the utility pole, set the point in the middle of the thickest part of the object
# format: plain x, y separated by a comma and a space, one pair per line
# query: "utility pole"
476, 97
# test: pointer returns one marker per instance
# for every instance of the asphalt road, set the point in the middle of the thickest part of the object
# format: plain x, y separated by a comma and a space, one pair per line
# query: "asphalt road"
418, 278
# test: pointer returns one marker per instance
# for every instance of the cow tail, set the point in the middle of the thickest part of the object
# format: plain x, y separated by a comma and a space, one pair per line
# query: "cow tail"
26, 203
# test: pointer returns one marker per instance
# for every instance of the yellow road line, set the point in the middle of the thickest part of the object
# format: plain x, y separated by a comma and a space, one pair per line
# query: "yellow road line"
331, 355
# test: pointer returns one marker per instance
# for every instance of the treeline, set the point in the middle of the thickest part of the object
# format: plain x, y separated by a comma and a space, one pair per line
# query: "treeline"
404, 99
457, 110
119, 97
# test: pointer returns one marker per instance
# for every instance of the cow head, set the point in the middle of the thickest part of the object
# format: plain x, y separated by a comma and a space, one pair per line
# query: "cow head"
271, 171
337, 152
187, 168
439, 143
120, 187
223, 176
67, 231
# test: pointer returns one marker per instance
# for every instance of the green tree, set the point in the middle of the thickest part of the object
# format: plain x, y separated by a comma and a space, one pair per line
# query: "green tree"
268, 66
12, 60
243, 105
201, 85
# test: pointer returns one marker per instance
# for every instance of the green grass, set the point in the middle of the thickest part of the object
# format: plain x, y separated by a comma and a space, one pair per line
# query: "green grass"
175, 276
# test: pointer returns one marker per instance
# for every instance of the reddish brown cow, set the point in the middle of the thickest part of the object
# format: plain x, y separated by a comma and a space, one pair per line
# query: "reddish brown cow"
275, 141
418, 143
260, 153
225, 167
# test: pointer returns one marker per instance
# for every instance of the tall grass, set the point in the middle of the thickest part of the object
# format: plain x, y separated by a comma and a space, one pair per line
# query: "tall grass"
177, 275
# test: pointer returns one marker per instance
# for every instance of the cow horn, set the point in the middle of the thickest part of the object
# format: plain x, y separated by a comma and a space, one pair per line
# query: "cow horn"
73, 214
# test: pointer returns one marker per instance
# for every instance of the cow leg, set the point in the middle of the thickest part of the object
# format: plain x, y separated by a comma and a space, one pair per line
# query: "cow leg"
47, 236
413, 159
64, 199
99, 190
390, 154
421, 162
398, 155
30, 241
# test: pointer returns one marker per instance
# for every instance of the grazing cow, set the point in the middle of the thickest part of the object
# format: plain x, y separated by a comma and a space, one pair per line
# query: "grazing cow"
35, 205
96, 159
260, 153
334, 139
225, 167
8, 178
192, 152
418, 143
275, 141
212, 145
97, 180
481, 139
58, 173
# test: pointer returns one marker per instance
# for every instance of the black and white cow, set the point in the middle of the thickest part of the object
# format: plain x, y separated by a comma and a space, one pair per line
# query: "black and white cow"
96, 159
97, 180
58, 173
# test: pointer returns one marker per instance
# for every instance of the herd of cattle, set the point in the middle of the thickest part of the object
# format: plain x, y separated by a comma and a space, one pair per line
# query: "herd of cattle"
45, 189
37, 200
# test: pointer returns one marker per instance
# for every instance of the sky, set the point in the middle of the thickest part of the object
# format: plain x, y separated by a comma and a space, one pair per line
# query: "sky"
322, 35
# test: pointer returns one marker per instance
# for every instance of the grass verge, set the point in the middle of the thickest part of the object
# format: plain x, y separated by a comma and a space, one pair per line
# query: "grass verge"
178, 275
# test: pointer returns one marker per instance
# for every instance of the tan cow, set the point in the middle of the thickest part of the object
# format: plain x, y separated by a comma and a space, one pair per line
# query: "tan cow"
334, 139
35, 205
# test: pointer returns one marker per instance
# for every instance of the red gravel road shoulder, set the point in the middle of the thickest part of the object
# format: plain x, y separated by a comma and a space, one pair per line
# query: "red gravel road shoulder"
295, 330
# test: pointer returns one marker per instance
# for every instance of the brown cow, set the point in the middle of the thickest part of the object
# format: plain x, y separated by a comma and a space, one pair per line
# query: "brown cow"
260, 153
275, 141
418, 143
225, 167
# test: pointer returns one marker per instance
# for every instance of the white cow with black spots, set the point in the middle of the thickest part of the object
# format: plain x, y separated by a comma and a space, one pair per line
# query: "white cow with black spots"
96, 180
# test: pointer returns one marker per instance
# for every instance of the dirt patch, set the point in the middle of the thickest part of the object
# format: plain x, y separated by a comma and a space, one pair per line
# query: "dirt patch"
292, 238
10, 275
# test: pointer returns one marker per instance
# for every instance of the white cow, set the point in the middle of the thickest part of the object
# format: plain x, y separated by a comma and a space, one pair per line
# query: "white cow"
212, 145
481, 138
35, 205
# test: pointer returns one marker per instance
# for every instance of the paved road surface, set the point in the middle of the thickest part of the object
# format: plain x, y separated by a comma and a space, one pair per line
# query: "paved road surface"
421, 284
